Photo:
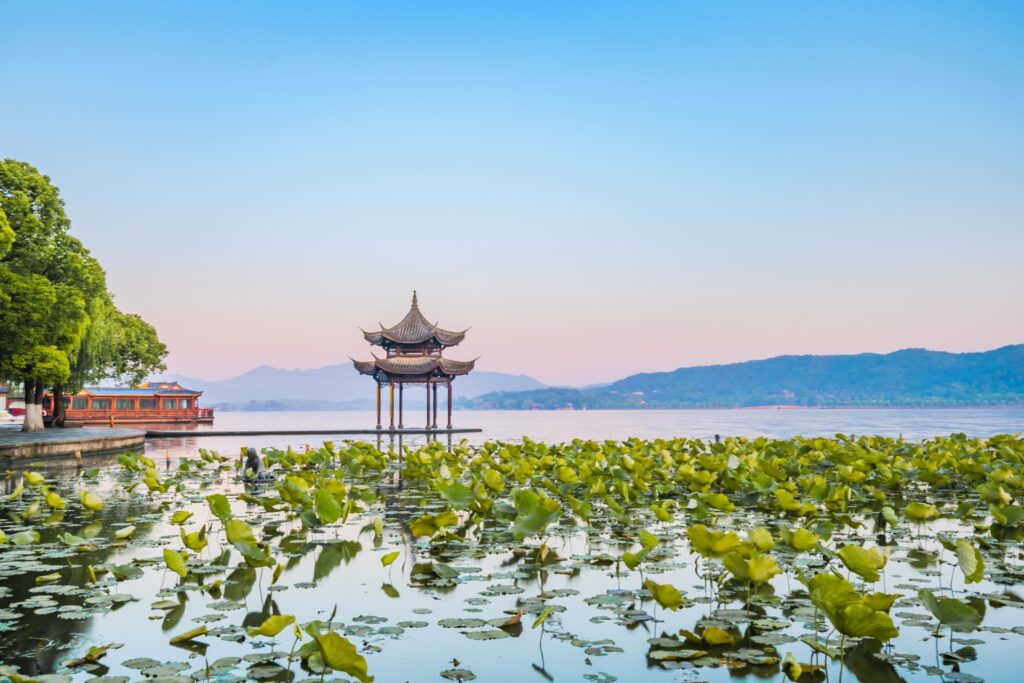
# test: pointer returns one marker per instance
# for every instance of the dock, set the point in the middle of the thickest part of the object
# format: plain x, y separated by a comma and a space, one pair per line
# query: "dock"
92, 440
407, 431
57, 442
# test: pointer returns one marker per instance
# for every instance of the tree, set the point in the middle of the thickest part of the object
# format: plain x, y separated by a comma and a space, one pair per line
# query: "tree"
119, 346
56, 301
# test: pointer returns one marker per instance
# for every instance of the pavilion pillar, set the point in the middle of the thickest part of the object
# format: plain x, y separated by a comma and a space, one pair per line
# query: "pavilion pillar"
449, 406
391, 403
401, 391
378, 405
427, 385
435, 407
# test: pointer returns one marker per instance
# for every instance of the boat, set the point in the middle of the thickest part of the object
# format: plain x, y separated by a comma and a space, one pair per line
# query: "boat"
149, 402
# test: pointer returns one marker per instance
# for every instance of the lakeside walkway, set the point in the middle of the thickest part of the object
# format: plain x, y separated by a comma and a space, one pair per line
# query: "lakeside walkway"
15, 443
192, 433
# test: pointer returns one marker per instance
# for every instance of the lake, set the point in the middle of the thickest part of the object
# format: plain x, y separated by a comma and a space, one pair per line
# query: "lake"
559, 426
438, 607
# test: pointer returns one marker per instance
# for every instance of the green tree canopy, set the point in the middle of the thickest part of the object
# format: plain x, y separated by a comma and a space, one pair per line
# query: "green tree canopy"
58, 323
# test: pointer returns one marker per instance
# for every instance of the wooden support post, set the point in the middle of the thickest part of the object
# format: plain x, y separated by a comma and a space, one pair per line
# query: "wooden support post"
449, 404
391, 403
435, 407
378, 405
427, 385
401, 391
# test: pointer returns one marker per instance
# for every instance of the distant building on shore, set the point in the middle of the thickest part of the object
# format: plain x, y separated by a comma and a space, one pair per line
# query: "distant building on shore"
148, 402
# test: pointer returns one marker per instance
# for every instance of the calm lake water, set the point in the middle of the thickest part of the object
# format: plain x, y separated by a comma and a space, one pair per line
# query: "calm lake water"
388, 612
561, 426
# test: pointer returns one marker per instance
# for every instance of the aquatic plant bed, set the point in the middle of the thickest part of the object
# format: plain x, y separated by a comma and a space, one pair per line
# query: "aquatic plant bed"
871, 558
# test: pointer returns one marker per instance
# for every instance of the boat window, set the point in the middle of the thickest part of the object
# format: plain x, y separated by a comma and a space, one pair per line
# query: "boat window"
170, 403
126, 404
147, 404
101, 404
80, 403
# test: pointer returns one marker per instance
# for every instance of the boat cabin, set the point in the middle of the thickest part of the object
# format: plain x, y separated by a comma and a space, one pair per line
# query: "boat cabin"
148, 402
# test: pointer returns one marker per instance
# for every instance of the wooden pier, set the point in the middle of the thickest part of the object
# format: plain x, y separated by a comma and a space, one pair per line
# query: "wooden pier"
408, 431
92, 440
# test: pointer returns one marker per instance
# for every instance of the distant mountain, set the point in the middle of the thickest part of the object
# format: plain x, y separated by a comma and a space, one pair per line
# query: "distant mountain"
331, 387
912, 377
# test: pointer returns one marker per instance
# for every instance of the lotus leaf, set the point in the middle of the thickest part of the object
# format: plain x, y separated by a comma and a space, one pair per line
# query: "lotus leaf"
665, 594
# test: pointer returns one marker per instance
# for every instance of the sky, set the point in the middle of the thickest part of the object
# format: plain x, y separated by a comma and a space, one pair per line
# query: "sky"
595, 188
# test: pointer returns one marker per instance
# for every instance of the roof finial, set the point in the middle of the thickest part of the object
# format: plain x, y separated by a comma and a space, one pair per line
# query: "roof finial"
415, 304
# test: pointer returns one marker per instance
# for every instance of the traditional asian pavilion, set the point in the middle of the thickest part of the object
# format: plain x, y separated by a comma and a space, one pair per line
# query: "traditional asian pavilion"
413, 350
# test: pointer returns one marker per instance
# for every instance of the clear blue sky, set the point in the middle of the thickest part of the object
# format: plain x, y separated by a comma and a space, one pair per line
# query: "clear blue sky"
598, 188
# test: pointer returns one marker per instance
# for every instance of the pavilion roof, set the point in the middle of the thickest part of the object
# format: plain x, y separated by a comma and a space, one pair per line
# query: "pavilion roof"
414, 328
414, 365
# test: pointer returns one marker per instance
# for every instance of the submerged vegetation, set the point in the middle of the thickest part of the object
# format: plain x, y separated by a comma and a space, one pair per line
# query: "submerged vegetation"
787, 558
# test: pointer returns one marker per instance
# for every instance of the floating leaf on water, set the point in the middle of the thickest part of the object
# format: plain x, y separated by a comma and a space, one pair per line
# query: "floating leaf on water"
272, 625
489, 634
189, 635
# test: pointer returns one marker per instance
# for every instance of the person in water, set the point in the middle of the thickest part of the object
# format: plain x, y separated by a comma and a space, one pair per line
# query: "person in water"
253, 470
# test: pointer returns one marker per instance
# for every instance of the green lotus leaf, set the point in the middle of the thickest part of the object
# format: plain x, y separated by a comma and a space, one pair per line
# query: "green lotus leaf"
55, 501
190, 635
957, 614
428, 525
712, 543
648, 541
90, 501
714, 635
339, 654
534, 513
219, 506
272, 625
865, 562
328, 510
848, 610
175, 562
238, 530
761, 539
800, 539
972, 564
457, 494
665, 594
180, 517
28, 537
920, 512
194, 541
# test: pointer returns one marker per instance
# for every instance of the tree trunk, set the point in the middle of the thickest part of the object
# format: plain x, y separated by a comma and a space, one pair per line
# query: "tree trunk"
33, 408
60, 412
